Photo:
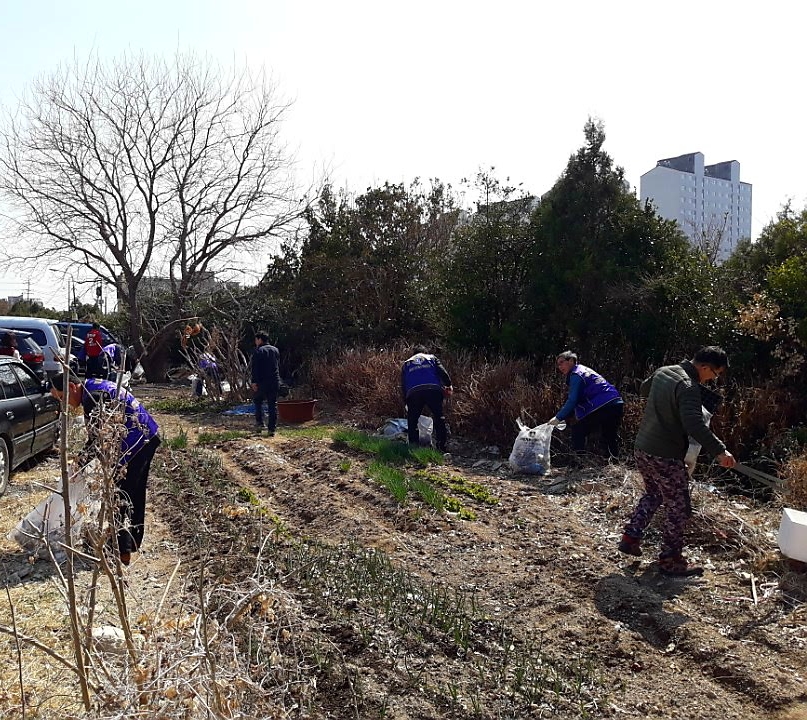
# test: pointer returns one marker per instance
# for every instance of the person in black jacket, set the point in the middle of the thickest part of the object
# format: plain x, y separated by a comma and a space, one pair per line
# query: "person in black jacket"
424, 383
265, 381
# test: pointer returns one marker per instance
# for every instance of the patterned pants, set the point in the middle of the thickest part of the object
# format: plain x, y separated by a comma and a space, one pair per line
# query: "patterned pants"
666, 483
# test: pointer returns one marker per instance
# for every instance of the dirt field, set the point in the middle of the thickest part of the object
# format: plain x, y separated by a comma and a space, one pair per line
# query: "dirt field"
535, 579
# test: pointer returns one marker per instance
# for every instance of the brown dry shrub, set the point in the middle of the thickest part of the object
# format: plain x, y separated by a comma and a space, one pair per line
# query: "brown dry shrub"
488, 394
364, 381
794, 473
753, 419
496, 392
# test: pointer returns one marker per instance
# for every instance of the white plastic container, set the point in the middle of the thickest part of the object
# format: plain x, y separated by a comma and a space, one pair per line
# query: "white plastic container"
793, 534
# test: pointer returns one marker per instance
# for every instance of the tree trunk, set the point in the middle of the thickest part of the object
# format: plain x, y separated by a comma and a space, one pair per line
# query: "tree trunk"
155, 364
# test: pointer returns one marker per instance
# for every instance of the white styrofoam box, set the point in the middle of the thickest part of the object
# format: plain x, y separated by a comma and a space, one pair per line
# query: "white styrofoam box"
793, 534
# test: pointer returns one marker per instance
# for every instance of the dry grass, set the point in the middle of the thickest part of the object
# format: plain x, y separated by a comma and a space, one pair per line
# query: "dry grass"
794, 473
754, 419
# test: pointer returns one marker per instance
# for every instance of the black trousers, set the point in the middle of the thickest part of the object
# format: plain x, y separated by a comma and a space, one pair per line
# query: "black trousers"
95, 366
608, 419
266, 393
132, 496
415, 402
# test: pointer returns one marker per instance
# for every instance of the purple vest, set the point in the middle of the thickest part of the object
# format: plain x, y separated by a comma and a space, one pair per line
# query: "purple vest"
597, 391
420, 371
140, 426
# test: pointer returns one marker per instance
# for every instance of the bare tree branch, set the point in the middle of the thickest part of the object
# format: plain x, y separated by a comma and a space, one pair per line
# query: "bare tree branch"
143, 168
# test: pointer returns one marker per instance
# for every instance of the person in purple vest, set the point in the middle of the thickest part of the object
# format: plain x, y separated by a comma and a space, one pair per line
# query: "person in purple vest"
424, 383
593, 401
136, 451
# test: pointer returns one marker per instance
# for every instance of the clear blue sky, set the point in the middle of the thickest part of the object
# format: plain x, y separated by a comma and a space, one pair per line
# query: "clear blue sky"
392, 91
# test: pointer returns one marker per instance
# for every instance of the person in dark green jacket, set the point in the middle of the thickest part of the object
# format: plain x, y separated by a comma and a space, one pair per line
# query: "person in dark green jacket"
673, 413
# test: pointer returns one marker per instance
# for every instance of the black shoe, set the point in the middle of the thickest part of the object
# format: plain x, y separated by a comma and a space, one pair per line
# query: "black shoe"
270, 433
630, 546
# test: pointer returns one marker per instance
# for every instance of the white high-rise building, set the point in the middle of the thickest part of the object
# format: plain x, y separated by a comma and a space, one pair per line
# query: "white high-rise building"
709, 202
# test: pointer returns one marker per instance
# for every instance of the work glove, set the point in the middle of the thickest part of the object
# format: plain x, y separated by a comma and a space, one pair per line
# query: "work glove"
554, 422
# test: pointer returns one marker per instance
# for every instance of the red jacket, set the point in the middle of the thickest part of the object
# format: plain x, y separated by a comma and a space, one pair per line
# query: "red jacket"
93, 343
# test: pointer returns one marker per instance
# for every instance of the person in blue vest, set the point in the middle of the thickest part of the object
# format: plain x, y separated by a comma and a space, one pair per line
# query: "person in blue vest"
135, 454
424, 383
593, 401
209, 377
114, 355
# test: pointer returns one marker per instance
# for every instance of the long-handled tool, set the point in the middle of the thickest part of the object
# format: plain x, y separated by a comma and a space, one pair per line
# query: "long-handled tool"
758, 475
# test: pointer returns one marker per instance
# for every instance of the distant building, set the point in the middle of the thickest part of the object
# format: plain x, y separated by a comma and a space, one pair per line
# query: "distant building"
520, 209
709, 202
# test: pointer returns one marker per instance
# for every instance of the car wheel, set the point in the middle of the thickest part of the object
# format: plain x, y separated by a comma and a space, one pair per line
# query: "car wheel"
5, 465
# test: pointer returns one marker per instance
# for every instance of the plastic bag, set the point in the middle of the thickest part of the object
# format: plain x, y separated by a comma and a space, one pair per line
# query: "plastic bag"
197, 386
393, 429
425, 430
398, 429
691, 458
530, 453
44, 525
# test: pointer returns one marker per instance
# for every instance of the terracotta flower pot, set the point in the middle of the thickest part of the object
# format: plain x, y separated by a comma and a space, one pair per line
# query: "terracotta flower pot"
296, 411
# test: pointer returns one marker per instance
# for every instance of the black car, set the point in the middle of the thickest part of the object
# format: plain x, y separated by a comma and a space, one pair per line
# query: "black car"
30, 351
29, 417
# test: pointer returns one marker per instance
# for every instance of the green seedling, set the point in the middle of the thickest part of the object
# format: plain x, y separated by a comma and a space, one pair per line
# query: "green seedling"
391, 478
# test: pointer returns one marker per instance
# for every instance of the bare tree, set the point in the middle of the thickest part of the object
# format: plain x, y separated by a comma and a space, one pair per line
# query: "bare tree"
708, 237
144, 168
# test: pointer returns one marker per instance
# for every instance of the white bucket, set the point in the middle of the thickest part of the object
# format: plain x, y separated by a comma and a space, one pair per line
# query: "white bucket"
793, 534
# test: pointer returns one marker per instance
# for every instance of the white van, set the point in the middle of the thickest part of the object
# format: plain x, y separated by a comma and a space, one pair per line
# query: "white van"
45, 333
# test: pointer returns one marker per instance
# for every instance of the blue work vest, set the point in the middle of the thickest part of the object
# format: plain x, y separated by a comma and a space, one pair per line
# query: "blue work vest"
420, 371
597, 391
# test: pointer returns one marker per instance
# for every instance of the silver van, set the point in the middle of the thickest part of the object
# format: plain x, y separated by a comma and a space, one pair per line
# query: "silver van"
46, 333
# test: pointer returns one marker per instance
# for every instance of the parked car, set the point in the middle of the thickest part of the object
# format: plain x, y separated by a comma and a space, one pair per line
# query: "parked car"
46, 334
30, 352
29, 417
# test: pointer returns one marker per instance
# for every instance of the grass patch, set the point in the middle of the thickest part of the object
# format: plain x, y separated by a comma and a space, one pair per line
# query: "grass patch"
186, 405
426, 456
392, 478
247, 495
428, 493
315, 432
385, 450
390, 454
214, 438
344, 466
179, 442
389, 451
